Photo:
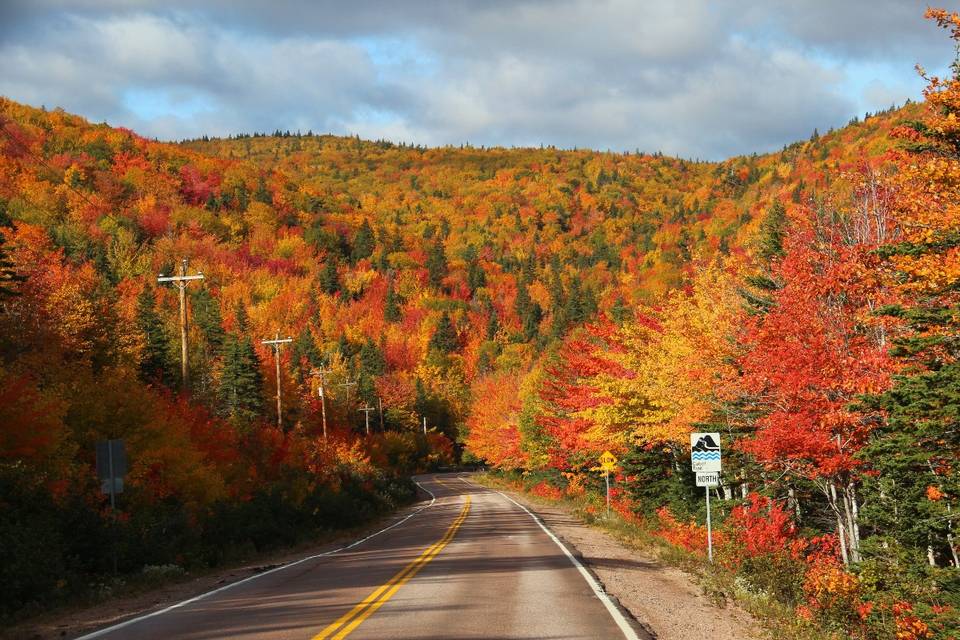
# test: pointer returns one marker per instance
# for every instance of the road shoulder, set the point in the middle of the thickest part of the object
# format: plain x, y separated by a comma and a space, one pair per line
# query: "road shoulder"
665, 600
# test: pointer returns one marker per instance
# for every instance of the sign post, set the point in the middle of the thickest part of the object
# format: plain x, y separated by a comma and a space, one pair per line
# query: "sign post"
608, 463
705, 462
111, 467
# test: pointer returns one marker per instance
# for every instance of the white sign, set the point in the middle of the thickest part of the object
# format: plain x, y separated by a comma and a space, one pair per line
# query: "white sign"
708, 479
705, 452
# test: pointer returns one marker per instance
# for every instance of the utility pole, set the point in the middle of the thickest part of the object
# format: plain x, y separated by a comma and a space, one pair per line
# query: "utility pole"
322, 390
347, 385
366, 415
278, 342
424, 425
181, 281
380, 402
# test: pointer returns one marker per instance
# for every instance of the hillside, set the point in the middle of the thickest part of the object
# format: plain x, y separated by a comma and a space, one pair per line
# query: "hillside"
312, 234
439, 281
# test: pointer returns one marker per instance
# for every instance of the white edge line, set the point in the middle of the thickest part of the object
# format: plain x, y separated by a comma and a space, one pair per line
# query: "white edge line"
615, 613
127, 623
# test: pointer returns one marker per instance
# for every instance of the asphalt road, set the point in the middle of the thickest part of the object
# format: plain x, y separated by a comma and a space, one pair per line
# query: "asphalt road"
469, 563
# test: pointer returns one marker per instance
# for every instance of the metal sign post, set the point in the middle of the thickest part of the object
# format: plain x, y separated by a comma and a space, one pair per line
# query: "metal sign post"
608, 463
705, 462
111, 467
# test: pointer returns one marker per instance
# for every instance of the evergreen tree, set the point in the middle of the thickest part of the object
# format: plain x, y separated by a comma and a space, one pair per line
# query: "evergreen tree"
476, 276
372, 361
206, 315
531, 322
241, 383
773, 229
444, 338
329, 279
914, 454
363, 242
493, 324
391, 310
619, 311
155, 365
521, 304
241, 380
304, 355
262, 194
761, 284
436, 263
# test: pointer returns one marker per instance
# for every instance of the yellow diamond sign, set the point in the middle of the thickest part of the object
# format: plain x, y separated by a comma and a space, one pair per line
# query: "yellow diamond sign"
608, 461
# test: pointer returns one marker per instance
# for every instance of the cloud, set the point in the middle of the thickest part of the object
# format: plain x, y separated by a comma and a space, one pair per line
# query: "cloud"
692, 77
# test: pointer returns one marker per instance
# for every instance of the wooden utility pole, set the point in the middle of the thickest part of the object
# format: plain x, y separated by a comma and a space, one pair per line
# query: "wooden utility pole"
366, 415
424, 425
322, 391
181, 281
380, 402
347, 385
278, 342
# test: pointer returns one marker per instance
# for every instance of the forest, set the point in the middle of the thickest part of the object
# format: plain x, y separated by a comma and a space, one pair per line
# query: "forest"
523, 308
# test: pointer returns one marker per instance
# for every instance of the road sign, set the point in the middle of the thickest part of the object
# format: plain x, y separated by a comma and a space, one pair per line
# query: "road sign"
705, 461
608, 461
708, 479
111, 466
705, 452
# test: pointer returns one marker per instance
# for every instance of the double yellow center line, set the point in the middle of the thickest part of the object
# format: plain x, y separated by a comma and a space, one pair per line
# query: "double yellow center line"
355, 617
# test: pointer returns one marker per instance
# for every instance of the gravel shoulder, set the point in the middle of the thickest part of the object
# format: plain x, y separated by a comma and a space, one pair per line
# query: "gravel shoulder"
667, 602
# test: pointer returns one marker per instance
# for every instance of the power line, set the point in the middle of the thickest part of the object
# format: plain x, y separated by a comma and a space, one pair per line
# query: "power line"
44, 162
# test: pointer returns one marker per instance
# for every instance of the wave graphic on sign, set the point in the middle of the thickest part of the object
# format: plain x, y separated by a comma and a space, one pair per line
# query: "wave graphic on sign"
706, 455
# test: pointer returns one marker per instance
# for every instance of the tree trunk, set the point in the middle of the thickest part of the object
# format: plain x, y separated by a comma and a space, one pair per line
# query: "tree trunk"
950, 544
793, 503
841, 530
851, 511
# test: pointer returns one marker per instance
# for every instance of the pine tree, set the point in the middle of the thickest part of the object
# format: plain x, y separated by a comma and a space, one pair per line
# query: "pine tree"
262, 194
773, 229
436, 264
761, 284
372, 361
363, 242
241, 380
329, 279
531, 322
915, 455
444, 338
619, 311
391, 310
493, 324
241, 383
476, 276
206, 315
304, 355
155, 364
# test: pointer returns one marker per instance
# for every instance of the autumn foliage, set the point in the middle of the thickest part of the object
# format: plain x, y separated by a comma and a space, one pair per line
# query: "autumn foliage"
534, 307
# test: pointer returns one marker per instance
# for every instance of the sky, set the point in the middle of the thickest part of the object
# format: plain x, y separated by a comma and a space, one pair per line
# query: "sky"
703, 79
